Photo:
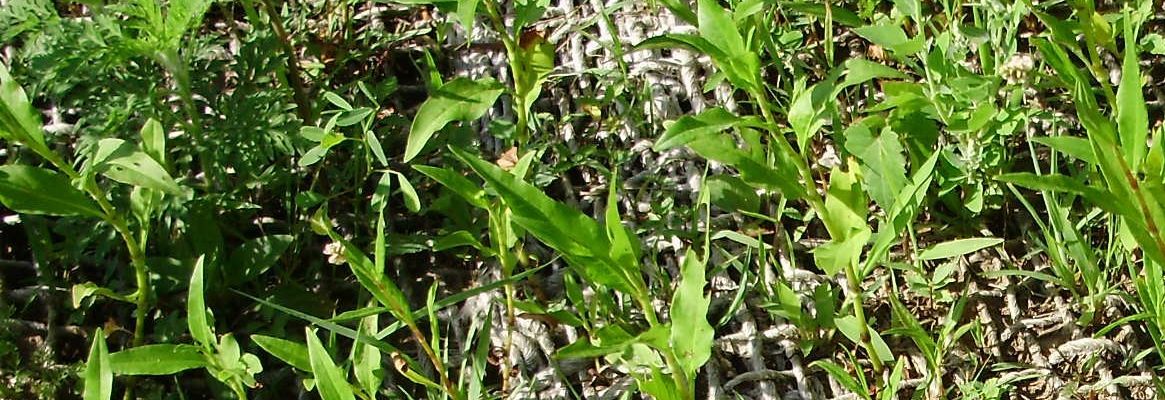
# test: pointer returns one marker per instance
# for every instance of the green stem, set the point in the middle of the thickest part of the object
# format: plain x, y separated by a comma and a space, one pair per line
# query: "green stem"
517, 73
815, 202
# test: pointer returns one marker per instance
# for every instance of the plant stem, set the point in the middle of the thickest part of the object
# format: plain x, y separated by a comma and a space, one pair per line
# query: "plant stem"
295, 79
444, 376
855, 291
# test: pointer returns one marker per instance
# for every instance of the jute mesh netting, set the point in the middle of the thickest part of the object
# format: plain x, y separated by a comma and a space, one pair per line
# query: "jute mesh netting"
755, 356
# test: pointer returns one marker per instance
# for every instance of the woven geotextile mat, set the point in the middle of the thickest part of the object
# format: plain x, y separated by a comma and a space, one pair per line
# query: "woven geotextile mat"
1025, 332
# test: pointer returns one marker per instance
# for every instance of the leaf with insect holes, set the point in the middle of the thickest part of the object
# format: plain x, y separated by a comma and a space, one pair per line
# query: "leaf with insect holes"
691, 334
461, 99
98, 374
957, 247
32, 190
157, 359
292, 353
196, 313
330, 379
121, 161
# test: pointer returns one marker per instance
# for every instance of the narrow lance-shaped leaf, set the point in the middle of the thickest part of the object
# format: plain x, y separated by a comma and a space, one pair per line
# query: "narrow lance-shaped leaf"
691, 127
123, 162
1132, 118
691, 334
461, 99
578, 237
330, 379
196, 318
33, 190
98, 374
957, 247
292, 353
19, 121
157, 359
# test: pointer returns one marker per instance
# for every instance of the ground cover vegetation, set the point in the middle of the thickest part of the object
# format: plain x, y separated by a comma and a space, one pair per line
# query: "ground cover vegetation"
465, 199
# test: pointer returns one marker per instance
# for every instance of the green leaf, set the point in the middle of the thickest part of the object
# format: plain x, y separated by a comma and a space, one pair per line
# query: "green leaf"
716, 25
957, 247
337, 101
366, 359
691, 334
882, 162
292, 353
330, 379
462, 186
835, 255
32, 190
412, 201
1132, 117
157, 359
624, 246
845, 203
891, 37
19, 121
123, 162
579, 238
723, 149
841, 375
1076, 147
731, 193
256, 256
807, 112
851, 328
859, 70
98, 374
82, 291
353, 117
196, 318
154, 141
691, 127
374, 145
461, 99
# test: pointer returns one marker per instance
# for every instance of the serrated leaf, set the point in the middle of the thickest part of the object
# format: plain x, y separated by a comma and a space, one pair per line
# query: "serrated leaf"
157, 359
461, 99
32, 190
